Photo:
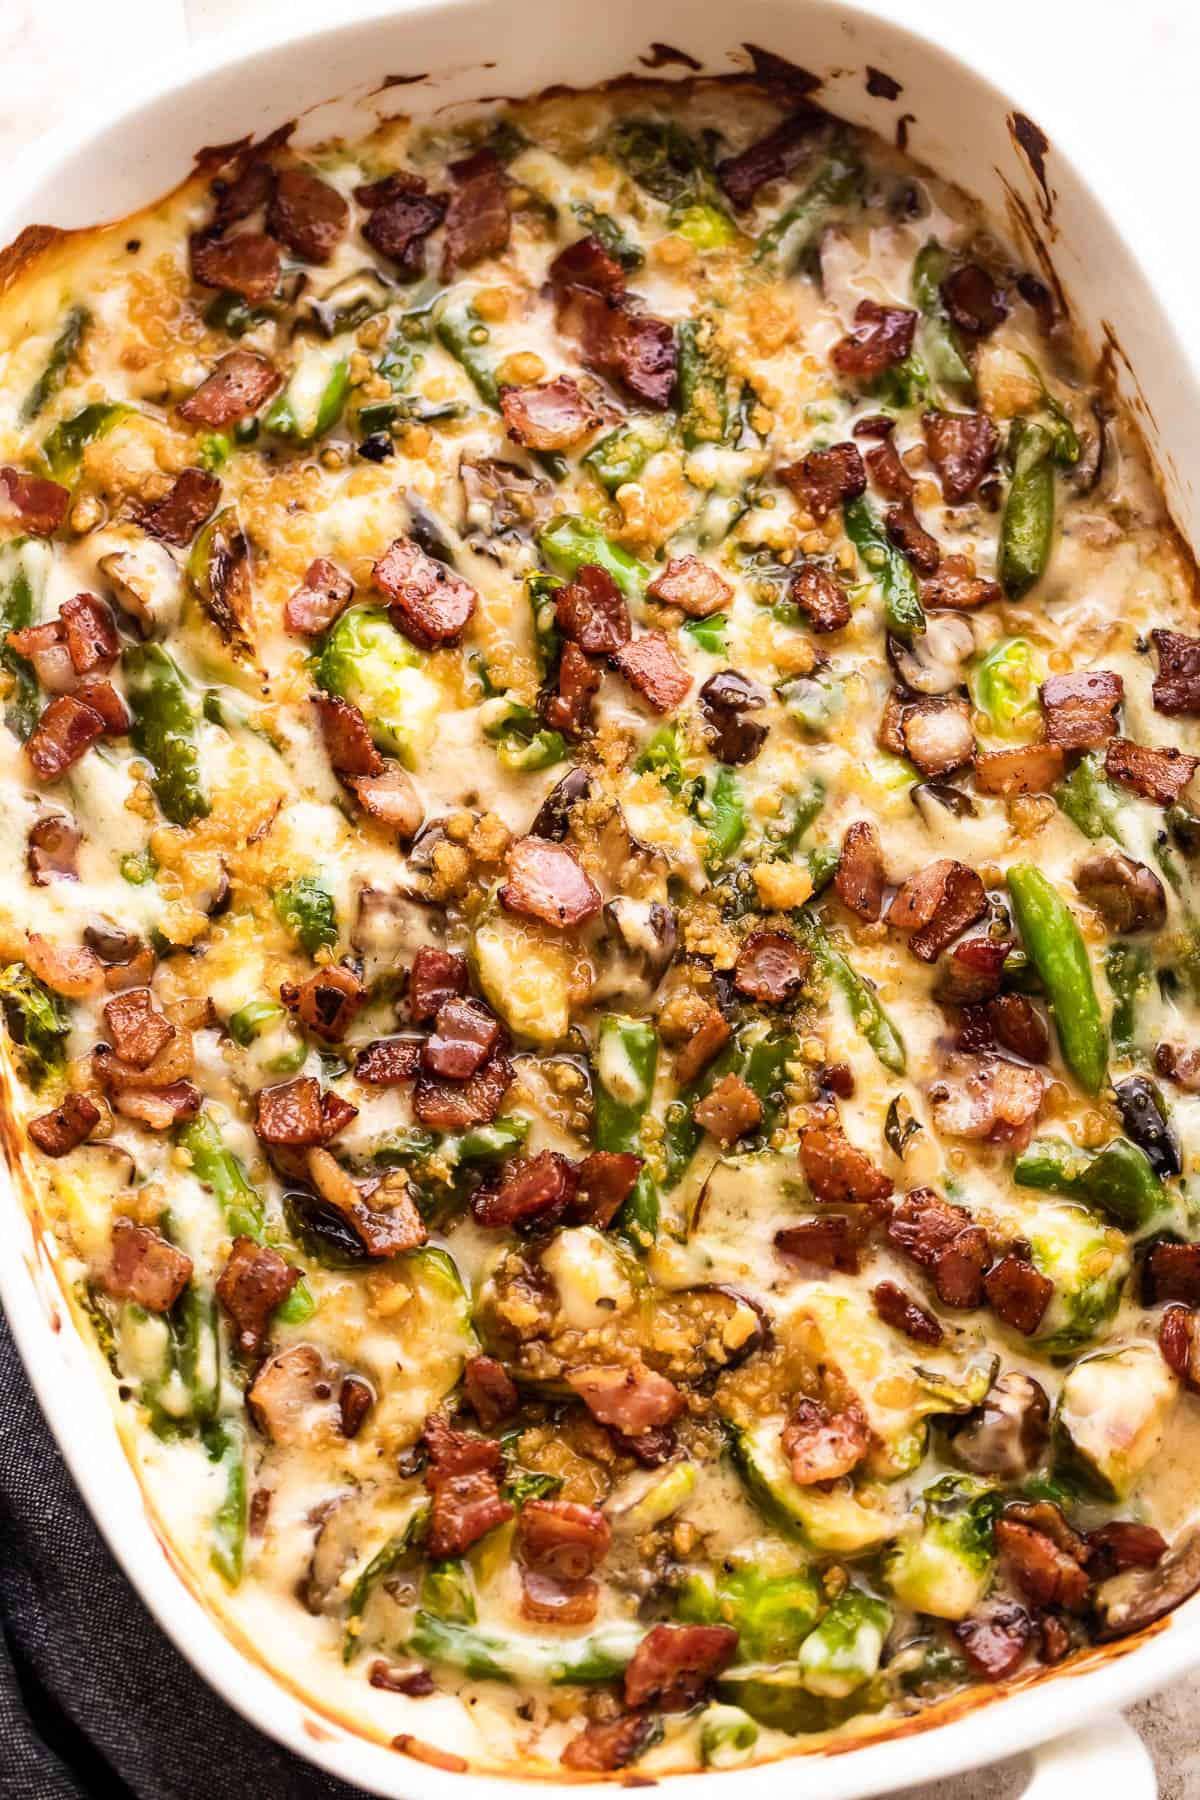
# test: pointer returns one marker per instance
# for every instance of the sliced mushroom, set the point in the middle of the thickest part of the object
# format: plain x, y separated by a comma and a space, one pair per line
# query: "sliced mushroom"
641, 943
503, 500
1137, 1597
1007, 1434
935, 663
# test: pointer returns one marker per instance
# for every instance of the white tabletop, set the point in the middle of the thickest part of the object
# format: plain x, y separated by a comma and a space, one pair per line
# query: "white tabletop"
1126, 80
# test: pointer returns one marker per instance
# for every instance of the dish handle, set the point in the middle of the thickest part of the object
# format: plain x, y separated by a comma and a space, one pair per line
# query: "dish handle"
1104, 1761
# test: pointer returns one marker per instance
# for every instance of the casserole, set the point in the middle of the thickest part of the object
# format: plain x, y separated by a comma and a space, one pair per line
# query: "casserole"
518, 81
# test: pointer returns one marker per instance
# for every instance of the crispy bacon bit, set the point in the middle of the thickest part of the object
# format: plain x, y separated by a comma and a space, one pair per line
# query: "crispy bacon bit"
241, 382
389, 1061
247, 264
725, 700
45, 647
538, 1187
1171, 1272
552, 415
711, 1035
995, 1640
1123, 1545
435, 977
997, 1100
1178, 1339
160, 1108
937, 735
729, 1110
291, 1113
570, 710
454, 1105
826, 602
613, 1744
823, 479
956, 588
973, 971
1179, 1063
692, 585
1127, 895
356, 1397
1081, 708
901, 1311
322, 597
974, 301
943, 1239
1027, 769
145, 1268
562, 1538
491, 1391
961, 448
55, 1133
104, 699
73, 970
820, 1445
347, 737
587, 264
307, 215
546, 881
649, 664
464, 1036
65, 730
592, 613
137, 1028
178, 516
673, 1664
479, 220
252, 1284
635, 1400
462, 1478
553, 1602
90, 634
249, 191
392, 799
1056, 1639
881, 337
1010, 1021
327, 1002
291, 1398
53, 847
35, 504
1048, 1518
910, 536
1018, 1294
771, 967
399, 225
1161, 775
770, 159
606, 1180
373, 194
1176, 690
1046, 1575
936, 904
429, 603
888, 474
836, 1171
834, 1241
629, 347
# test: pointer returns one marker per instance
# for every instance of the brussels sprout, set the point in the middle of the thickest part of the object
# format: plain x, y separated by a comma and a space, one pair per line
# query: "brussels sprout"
772, 1614
311, 403
525, 978
1087, 1265
594, 1277
779, 1699
1118, 1182
945, 1566
652, 1497
366, 661
1112, 1417
836, 1518
600, 1656
448, 1592
305, 908
1006, 685
37, 1022
727, 1736
843, 1653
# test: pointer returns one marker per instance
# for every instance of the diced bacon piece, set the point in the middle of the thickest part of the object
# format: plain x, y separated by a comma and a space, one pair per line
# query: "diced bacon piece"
326, 1004
1008, 1022
291, 1399
436, 976
57, 1132
823, 479
881, 337
104, 699
33, 503
1171, 1272
936, 904
836, 1171
563, 1538
479, 218
910, 536
649, 664
240, 384
464, 1509
65, 730
1127, 895
551, 415
1123, 1545
347, 737
587, 264
1025, 769
322, 597
464, 1036
996, 1100
729, 1110
834, 1241
399, 227
956, 588
290, 1112
546, 881
429, 603
1159, 775
903, 1313
1179, 1063
1176, 690
570, 710
137, 1028
73, 970
1046, 1575
552, 1602
384, 1218
53, 849
45, 646
90, 634
826, 602
611, 1744
248, 192
170, 1063
822, 1446
373, 194
356, 1397
962, 447
145, 1268
491, 1391
674, 1663
692, 585
454, 1105
1081, 708
538, 1187
770, 159
392, 799
631, 348
634, 1400
771, 967
178, 516
1018, 1294
888, 474
861, 879
254, 1281
606, 1179
307, 214
160, 1108
592, 613
975, 302
388, 1062
995, 1640
454, 1452
712, 1034
336, 1114
973, 971
247, 264
943, 1239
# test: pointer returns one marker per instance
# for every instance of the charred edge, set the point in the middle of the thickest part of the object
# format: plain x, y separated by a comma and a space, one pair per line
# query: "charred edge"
902, 125
391, 81
215, 156
1025, 227
882, 86
663, 56
779, 75
1034, 145
26, 249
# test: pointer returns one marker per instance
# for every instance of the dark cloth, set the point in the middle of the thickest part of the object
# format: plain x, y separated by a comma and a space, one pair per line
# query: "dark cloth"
95, 1703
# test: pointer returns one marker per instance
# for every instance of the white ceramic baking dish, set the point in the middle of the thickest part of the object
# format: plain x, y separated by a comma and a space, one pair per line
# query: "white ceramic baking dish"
334, 78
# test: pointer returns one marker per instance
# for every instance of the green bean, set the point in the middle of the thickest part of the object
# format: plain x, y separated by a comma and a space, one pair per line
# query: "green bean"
1057, 951
603, 226
164, 731
1118, 1182
38, 1024
225, 1445
799, 810
723, 814
943, 351
759, 1056
457, 335
66, 444
570, 541
219, 1170
1129, 968
311, 404
18, 571
836, 182
703, 396
198, 1349
1089, 801
305, 906
626, 1062
601, 1656
902, 609
871, 1021
76, 322
708, 634
1027, 528
624, 453
228, 312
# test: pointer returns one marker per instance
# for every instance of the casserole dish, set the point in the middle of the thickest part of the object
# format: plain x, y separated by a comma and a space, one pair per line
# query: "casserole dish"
234, 100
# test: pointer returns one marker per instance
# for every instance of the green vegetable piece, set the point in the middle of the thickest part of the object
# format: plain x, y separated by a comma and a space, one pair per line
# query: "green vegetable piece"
540, 590
75, 323
814, 701
772, 1614
1117, 1182
225, 1445
663, 159
570, 540
311, 404
367, 661
1089, 801
215, 1165
1027, 528
23, 566
381, 1564
305, 906
69, 439
1129, 968
940, 343
835, 1520
1075, 1251
660, 755
603, 226
799, 810
727, 1737
723, 812
843, 1653
837, 182
624, 453
1006, 685
600, 1656
866, 1009
37, 1022
197, 1344
703, 396
1112, 1417
778, 1699
705, 226
229, 313
463, 335
708, 634
903, 613
448, 1592
1057, 951
251, 1020
944, 1567
164, 731
625, 1065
